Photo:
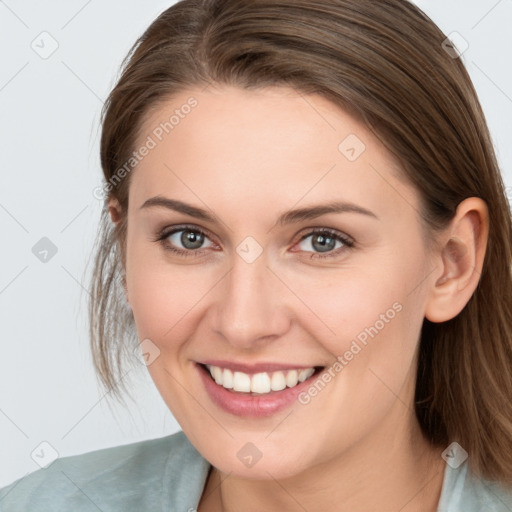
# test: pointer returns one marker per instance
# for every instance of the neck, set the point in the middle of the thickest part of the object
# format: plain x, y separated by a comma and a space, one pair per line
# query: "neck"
397, 469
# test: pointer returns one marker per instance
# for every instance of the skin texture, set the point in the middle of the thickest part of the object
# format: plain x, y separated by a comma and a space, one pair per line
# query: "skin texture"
247, 156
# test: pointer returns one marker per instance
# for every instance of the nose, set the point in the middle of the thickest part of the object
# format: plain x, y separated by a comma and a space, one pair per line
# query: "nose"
251, 307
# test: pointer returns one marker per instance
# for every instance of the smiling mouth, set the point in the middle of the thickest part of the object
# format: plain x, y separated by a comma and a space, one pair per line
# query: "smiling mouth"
261, 383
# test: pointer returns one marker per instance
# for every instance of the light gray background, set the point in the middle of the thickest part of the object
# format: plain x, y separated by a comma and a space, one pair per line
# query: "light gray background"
49, 167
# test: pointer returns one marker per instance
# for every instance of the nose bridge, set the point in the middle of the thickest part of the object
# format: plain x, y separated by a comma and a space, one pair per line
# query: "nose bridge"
248, 307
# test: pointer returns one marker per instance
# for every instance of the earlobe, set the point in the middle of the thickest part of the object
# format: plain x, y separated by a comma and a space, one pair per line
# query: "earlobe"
460, 260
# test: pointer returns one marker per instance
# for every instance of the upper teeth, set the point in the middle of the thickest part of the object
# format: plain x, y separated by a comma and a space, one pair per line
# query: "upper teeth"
258, 382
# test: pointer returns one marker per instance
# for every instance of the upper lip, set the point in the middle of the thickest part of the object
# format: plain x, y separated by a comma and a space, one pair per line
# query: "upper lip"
256, 367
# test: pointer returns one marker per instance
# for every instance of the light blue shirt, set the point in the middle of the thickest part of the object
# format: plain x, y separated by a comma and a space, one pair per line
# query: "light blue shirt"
169, 475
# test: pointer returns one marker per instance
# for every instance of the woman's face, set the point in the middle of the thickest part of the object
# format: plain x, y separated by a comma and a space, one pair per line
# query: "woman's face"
262, 292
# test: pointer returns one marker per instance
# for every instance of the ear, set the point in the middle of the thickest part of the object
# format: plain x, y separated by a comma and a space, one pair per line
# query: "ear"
460, 260
115, 210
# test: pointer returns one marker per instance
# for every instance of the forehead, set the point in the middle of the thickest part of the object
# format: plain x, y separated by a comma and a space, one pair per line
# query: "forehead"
271, 146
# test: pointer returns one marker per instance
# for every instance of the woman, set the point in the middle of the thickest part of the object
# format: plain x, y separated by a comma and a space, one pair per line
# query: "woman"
306, 228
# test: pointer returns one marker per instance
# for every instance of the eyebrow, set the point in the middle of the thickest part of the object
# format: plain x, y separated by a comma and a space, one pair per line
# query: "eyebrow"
288, 217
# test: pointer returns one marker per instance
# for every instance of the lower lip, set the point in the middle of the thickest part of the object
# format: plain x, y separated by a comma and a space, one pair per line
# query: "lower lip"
245, 404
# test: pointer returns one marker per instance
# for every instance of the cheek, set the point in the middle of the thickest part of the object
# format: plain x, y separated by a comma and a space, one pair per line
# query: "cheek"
352, 303
376, 320
165, 298
159, 300
369, 319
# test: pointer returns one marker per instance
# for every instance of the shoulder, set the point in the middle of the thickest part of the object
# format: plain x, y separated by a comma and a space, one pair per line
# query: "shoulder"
148, 475
464, 491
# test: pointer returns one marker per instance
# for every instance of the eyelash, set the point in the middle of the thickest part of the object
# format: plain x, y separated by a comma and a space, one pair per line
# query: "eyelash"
162, 239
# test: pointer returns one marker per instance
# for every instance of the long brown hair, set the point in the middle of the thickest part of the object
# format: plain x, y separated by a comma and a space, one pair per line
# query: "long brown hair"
386, 63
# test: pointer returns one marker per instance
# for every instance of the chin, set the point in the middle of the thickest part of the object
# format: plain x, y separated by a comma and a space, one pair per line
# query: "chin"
274, 465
